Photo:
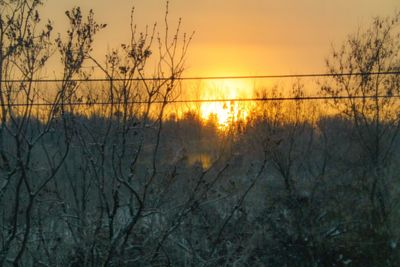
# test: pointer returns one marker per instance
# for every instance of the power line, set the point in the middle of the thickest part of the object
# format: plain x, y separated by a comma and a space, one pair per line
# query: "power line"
281, 76
257, 99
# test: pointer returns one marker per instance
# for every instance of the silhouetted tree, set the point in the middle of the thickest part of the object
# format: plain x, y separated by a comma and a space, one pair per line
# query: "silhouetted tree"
374, 131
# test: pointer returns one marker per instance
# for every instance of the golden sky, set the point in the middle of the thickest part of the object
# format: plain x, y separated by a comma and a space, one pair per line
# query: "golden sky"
239, 37
236, 37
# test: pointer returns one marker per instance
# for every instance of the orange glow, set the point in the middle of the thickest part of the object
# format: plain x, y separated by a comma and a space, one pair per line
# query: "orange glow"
225, 112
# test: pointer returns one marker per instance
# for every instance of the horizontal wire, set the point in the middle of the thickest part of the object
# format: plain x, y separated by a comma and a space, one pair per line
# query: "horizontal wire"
263, 99
282, 76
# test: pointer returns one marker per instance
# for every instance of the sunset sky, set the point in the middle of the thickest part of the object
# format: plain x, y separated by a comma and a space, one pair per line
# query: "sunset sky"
238, 37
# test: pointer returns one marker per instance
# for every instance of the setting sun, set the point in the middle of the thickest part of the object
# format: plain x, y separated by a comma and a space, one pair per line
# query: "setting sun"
225, 112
